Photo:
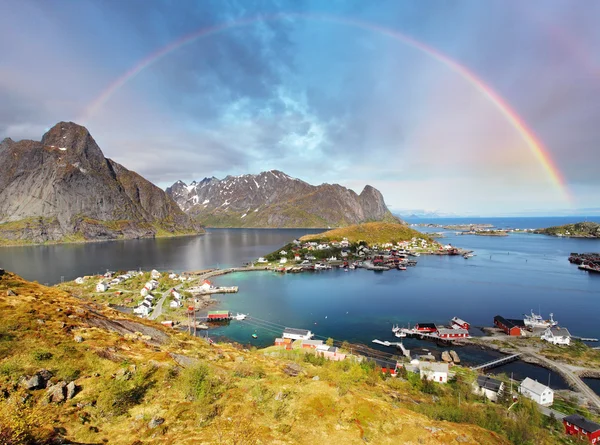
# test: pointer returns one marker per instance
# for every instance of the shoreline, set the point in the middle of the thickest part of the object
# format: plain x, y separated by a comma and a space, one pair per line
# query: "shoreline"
93, 241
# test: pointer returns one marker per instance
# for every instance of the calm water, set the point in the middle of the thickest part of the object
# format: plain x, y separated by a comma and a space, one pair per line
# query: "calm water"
509, 276
218, 248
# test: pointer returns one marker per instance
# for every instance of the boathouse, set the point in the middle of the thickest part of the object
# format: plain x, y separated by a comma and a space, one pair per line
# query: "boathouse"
218, 315
509, 326
452, 333
488, 387
557, 336
539, 393
426, 327
576, 425
297, 334
460, 323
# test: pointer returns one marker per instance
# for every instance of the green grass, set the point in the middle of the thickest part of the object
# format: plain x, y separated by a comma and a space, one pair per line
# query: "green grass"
371, 233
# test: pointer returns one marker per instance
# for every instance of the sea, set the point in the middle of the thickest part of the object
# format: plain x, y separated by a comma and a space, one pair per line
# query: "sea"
509, 276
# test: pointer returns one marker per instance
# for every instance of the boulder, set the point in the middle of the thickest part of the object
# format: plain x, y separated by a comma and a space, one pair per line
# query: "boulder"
35, 382
11, 293
71, 390
156, 421
44, 374
78, 339
56, 393
292, 369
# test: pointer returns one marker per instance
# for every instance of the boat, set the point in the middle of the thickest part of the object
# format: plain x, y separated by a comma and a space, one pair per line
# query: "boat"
400, 334
254, 336
536, 321
239, 317
459, 323
352, 267
468, 255
414, 253
401, 267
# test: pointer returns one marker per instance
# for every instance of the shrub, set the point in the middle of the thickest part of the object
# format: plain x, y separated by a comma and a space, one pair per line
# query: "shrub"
42, 355
199, 384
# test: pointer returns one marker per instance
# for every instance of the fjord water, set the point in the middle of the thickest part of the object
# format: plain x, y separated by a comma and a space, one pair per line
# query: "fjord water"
509, 276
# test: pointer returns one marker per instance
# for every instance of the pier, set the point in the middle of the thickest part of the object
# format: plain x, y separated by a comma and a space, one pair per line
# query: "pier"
583, 338
405, 352
497, 362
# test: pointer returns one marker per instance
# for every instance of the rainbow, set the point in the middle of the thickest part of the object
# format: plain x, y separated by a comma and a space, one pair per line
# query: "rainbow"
535, 145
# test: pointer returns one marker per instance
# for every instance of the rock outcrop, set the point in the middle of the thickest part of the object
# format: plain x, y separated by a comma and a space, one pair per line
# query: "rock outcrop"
64, 189
274, 199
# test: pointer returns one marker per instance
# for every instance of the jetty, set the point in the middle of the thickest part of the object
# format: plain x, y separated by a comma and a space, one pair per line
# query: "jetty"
399, 345
498, 362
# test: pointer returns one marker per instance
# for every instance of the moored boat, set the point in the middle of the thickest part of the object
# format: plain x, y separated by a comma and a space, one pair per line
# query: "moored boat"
536, 321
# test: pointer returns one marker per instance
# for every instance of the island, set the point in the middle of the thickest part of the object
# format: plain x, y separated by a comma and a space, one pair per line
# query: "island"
585, 229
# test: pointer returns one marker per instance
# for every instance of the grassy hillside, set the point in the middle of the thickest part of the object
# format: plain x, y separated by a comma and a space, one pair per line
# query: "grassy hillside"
371, 233
138, 382
577, 230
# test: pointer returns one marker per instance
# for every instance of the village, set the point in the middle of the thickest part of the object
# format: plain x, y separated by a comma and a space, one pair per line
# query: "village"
299, 256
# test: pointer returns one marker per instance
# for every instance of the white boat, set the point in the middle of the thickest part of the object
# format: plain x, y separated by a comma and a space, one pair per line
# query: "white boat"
536, 321
400, 334
352, 266
239, 316
321, 266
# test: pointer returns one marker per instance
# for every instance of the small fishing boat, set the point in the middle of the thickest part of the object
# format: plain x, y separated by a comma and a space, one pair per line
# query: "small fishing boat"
239, 316
254, 336
401, 267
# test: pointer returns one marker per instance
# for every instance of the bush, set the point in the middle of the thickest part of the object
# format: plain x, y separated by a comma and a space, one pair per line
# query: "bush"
42, 355
199, 384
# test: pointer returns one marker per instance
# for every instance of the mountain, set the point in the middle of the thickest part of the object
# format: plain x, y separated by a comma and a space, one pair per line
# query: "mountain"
64, 189
274, 199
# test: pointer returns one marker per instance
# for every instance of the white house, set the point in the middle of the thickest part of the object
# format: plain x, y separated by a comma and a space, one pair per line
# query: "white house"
344, 242
537, 392
437, 372
174, 304
557, 336
175, 294
297, 334
173, 276
283, 252
143, 309
144, 292
488, 387
155, 274
101, 287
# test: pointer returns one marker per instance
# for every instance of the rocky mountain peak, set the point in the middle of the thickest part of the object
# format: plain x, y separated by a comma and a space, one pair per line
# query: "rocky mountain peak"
275, 199
76, 143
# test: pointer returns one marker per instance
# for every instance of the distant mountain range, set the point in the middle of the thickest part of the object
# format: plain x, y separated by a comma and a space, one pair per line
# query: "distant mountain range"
274, 199
64, 189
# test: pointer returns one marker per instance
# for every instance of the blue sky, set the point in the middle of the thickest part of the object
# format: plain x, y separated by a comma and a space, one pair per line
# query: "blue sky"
298, 86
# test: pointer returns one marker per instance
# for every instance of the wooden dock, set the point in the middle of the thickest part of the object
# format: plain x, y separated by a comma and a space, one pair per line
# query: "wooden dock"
399, 345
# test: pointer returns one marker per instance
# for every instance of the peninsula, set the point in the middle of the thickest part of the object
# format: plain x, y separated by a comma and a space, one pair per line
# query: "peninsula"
577, 230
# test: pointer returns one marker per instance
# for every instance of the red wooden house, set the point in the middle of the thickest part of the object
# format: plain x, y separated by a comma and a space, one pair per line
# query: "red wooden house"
576, 425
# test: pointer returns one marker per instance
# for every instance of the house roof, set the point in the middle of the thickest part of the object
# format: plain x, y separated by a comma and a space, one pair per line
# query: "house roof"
582, 423
312, 342
296, 331
452, 331
534, 386
510, 322
426, 325
435, 367
483, 381
559, 332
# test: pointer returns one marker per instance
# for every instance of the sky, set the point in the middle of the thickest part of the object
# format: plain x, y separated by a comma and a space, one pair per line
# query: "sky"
435, 103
